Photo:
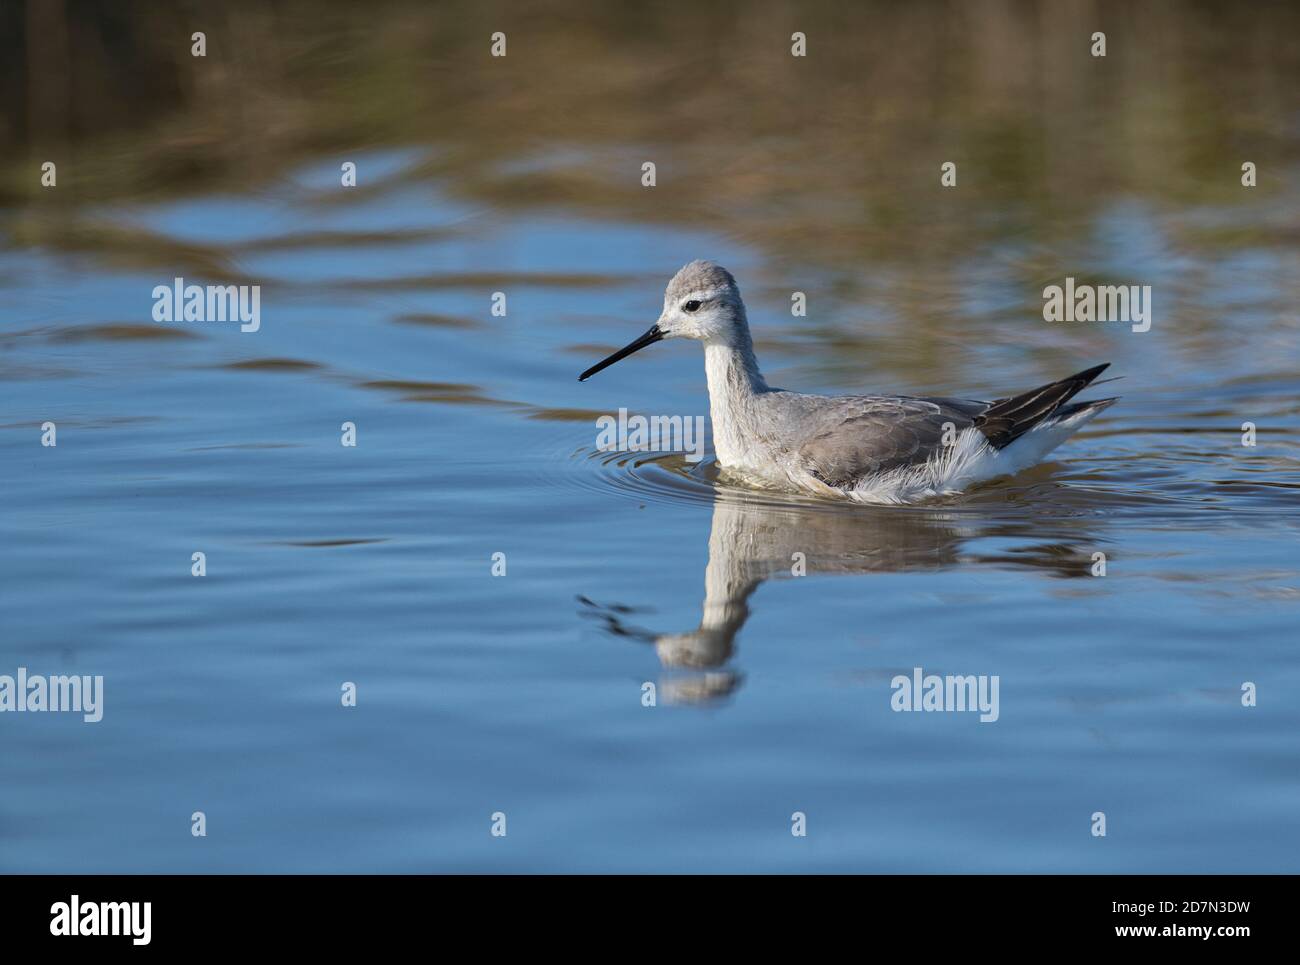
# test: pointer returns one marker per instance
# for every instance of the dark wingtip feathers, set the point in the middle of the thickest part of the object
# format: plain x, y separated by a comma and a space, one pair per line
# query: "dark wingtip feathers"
1006, 420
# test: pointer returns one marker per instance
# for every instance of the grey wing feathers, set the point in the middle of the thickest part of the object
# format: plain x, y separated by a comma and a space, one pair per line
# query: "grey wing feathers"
865, 436
862, 436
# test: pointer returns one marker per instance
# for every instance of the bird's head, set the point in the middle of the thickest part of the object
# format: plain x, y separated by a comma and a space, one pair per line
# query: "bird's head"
701, 302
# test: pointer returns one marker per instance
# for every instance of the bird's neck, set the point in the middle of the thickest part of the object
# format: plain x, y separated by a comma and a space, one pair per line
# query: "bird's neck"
734, 383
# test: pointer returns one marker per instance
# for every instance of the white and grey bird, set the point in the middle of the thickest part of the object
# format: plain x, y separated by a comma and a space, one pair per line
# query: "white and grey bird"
870, 448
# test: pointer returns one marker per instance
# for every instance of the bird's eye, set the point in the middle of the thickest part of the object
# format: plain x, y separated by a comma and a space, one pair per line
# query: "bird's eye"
692, 306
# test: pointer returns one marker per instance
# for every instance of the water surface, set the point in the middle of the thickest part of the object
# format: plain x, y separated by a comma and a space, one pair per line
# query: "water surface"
523, 693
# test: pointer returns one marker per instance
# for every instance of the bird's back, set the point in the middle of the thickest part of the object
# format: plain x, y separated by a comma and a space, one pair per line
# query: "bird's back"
878, 444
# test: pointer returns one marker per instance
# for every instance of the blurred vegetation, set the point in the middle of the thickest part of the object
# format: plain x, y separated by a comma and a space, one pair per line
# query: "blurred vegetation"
1006, 89
831, 160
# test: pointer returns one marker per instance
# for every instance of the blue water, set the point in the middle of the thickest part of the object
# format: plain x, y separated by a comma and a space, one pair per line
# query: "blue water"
522, 693
671, 672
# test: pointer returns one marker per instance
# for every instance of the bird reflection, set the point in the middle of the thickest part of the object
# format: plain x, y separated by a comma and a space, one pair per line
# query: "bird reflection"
752, 542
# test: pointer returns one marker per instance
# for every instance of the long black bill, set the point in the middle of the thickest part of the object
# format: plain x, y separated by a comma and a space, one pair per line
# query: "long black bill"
649, 338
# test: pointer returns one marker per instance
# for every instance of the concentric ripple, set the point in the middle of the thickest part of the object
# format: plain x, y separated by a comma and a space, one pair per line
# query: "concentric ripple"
1154, 484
